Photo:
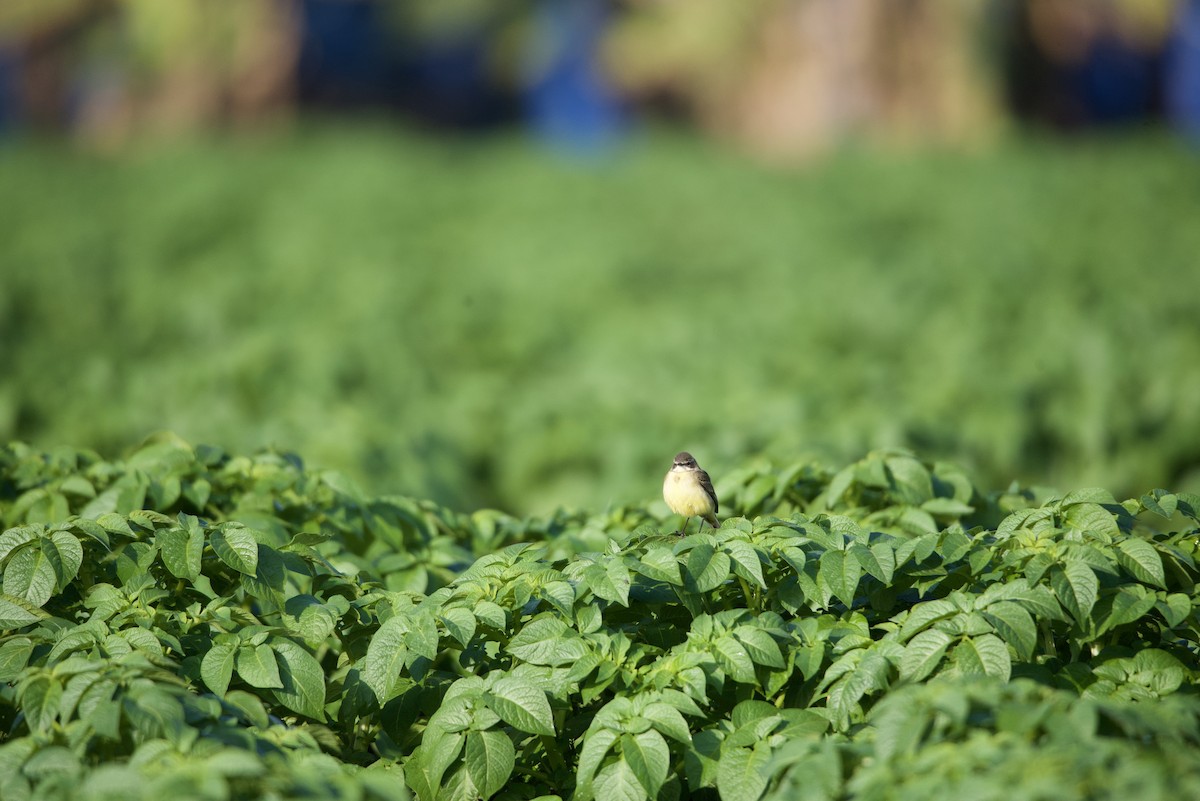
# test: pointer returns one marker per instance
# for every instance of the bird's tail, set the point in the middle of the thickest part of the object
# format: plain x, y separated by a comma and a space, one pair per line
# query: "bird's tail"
711, 519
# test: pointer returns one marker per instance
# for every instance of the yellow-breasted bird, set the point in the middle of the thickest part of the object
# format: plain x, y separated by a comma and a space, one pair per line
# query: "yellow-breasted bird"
688, 491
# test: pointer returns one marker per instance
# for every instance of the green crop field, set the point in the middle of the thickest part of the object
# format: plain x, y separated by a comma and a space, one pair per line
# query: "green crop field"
194, 624
476, 323
468, 588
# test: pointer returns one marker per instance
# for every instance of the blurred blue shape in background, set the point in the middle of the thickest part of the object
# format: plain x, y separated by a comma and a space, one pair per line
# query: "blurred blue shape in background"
1183, 71
350, 57
569, 102
1118, 82
344, 58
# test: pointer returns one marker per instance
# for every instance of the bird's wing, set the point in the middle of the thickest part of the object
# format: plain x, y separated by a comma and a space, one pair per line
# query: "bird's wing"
706, 485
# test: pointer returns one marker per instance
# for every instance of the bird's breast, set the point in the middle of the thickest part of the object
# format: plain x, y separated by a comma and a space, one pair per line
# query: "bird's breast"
685, 496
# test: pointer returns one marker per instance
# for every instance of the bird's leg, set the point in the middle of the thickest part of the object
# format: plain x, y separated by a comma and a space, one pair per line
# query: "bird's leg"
683, 530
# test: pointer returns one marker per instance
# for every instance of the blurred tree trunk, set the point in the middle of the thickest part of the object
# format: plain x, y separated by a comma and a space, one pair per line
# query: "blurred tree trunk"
42, 37
107, 69
797, 76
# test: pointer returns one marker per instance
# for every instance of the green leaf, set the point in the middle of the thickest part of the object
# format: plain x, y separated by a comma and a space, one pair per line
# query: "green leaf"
1157, 670
425, 768
52, 762
923, 654
78, 638
42, 506
92, 529
521, 705
149, 519
235, 547
163, 710
385, 658
947, 507
734, 659
1126, 605
76, 686
303, 680
742, 773
1175, 608
1089, 516
706, 568
235, 763
1094, 495
756, 491
1076, 587
1161, 502
29, 575
561, 594
660, 564
596, 744
67, 557
700, 762
217, 668
910, 480
1039, 601
613, 583
1142, 561
14, 655
841, 572
745, 556
455, 713
489, 760
1014, 625
617, 782
547, 641
838, 485
917, 521
100, 709
794, 556
250, 706
668, 720
343, 485
78, 486
181, 550
384, 782
14, 538
422, 636
985, 655
761, 646
460, 623
40, 700
316, 622
954, 545
648, 758
257, 666
142, 640
870, 674
749, 712
17, 613
879, 560
490, 614
112, 523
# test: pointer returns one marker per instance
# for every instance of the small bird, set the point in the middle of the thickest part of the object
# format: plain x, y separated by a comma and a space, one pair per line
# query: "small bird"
689, 492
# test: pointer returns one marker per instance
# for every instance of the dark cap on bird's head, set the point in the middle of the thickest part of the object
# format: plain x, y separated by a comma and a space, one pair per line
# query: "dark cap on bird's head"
684, 459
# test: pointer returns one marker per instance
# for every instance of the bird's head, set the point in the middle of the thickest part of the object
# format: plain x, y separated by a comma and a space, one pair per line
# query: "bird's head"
684, 461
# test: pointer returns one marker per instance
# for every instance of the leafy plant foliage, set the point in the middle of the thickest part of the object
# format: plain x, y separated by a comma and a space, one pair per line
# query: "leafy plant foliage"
496, 313
218, 626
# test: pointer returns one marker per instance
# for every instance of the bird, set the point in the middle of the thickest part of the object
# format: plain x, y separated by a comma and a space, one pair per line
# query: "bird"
688, 491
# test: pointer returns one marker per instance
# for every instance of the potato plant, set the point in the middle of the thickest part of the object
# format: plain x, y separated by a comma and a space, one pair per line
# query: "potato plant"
1027, 308
190, 622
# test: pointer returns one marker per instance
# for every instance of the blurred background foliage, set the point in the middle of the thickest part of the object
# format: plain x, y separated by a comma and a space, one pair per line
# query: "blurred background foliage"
910, 242
787, 78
